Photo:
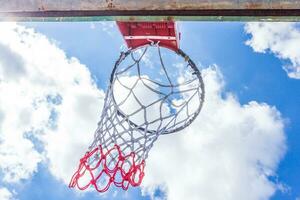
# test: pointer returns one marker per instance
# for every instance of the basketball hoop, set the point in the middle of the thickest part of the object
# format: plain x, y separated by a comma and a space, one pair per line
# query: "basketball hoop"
141, 103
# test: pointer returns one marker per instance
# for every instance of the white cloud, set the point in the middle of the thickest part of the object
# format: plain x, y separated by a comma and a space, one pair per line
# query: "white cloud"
282, 39
47, 98
227, 153
108, 27
92, 25
5, 194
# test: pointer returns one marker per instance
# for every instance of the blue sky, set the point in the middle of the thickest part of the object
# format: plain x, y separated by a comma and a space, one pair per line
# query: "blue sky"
249, 75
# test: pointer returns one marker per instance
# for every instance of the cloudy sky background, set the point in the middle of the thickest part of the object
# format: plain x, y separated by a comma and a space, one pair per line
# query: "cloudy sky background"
245, 144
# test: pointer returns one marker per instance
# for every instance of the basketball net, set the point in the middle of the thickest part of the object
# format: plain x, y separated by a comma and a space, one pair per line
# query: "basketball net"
141, 103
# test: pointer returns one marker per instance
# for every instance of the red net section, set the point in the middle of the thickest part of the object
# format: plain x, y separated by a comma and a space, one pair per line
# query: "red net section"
101, 169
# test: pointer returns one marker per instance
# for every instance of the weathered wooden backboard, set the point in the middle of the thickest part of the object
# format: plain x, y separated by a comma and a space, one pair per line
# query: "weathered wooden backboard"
206, 10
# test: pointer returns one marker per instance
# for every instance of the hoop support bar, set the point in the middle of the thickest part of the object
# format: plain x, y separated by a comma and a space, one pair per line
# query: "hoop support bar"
138, 34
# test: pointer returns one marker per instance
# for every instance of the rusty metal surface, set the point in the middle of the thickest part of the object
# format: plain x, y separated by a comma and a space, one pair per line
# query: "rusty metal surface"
39, 5
78, 10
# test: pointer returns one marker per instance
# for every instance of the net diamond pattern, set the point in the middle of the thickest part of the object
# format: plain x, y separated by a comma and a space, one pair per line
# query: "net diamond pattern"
142, 102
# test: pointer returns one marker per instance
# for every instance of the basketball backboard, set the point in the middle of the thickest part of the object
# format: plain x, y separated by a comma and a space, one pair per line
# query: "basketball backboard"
118, 10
